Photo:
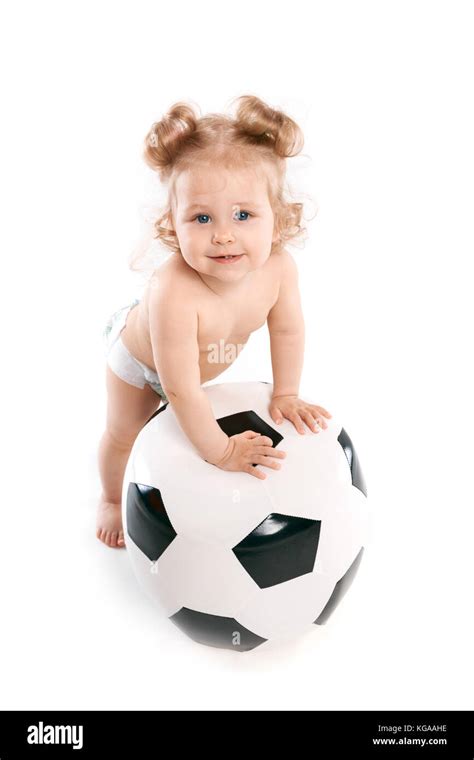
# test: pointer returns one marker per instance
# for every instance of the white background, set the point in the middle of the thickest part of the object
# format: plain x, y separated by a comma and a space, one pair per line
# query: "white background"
383, 92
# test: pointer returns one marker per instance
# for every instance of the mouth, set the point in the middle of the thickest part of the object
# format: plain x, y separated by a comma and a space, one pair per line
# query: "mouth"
228, 259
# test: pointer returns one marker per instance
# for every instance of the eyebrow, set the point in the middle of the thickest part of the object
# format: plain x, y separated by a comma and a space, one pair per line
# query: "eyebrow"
237, 203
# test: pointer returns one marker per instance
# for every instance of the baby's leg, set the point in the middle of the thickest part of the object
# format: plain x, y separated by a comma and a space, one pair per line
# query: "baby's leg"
128, 409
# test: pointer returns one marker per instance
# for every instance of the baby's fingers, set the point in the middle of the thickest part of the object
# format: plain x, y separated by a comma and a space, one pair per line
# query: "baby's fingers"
309, 419
273, 453
321, 410
315, 418
256, 473
297, 422
250, 434
267, 461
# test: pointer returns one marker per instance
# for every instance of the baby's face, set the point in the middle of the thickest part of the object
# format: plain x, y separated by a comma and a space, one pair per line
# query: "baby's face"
220, 213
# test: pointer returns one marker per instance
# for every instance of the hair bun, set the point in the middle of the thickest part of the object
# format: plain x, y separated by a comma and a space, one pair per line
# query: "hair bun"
166, 138
263, 123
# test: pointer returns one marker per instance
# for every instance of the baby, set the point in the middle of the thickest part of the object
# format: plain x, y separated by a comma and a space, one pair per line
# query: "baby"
227, 223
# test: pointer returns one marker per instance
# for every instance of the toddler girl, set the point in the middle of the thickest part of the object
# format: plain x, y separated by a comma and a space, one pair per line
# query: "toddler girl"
227, 222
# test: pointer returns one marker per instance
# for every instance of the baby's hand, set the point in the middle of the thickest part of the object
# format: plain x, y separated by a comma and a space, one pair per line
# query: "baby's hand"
298, 411
249, 448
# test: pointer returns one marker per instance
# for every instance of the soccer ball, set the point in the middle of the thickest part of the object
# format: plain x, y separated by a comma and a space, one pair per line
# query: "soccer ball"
232, 560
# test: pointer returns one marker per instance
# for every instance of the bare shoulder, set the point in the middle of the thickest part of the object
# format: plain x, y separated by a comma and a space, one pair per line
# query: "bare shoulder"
173, 281
285, 270
286, 262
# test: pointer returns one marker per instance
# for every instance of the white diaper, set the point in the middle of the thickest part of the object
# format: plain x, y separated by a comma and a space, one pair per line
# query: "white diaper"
121, 361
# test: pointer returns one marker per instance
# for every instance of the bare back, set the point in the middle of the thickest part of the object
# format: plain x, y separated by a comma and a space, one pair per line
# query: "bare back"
225, 321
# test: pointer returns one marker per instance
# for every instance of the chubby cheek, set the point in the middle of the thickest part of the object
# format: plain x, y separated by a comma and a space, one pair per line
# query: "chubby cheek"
190, 242
260, 258
261, 247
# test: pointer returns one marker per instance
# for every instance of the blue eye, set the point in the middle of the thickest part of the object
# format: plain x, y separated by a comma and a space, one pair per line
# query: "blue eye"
200, 216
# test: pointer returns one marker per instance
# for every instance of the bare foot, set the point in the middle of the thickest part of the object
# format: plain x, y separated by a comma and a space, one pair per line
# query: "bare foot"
109, 524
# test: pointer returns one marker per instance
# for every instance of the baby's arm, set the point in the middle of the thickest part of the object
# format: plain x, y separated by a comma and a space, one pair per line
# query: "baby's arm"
286, 327
174, 338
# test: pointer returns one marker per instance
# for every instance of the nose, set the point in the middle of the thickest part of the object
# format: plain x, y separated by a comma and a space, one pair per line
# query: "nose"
223, 237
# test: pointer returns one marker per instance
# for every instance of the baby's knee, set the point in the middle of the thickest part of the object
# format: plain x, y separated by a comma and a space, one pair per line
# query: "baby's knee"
121, 438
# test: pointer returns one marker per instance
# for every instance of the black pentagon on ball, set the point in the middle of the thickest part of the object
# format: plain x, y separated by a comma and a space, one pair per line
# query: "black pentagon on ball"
233, 424
215, 630
148, 524
340, 589
353, 460
279, 549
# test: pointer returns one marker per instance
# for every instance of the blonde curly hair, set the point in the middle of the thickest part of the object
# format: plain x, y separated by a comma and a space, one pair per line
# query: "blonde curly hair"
258, 136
